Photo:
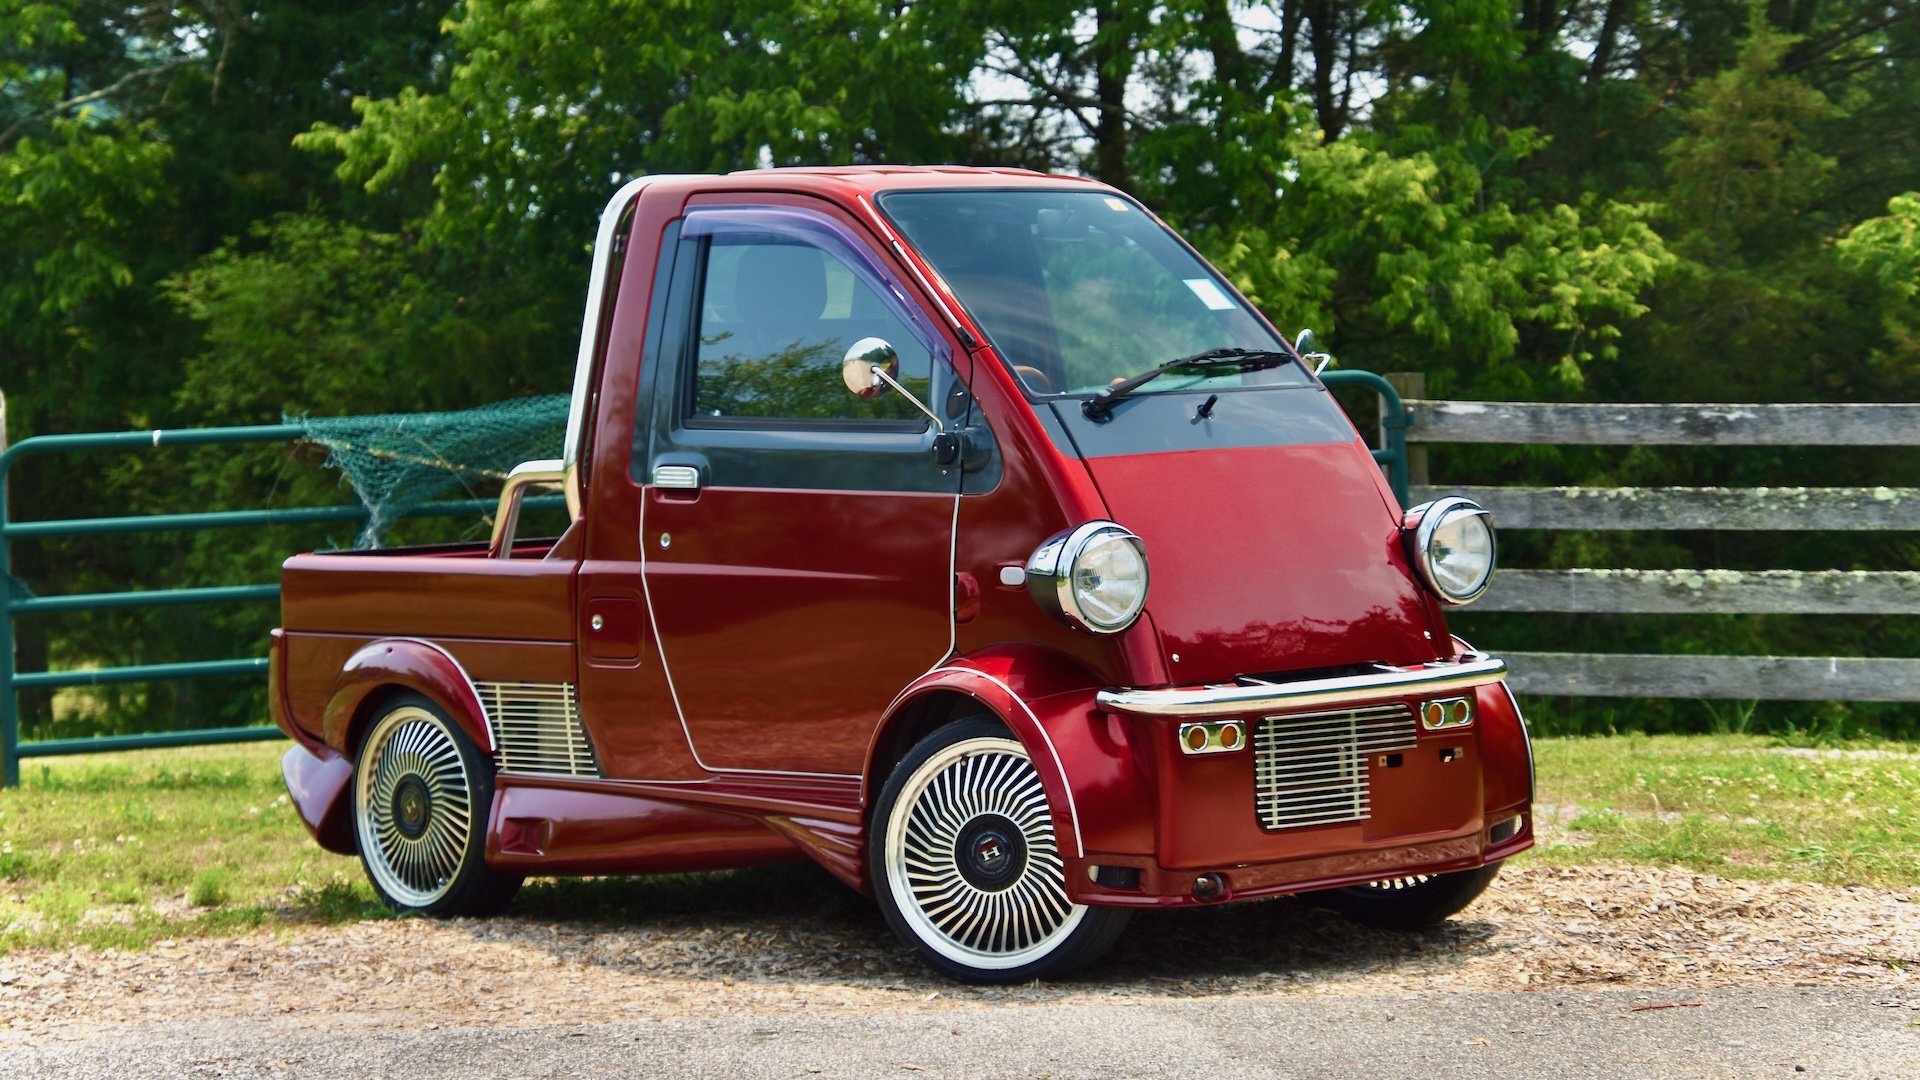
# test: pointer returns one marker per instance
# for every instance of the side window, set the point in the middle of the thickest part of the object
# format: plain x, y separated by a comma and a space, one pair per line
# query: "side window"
776, 314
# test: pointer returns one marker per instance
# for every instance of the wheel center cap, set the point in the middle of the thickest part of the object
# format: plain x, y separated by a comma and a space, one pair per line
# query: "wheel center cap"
990, 852
412, 807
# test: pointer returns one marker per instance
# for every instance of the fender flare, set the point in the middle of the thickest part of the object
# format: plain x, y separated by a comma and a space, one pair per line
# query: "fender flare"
1007, 704
1048, 701
412, 664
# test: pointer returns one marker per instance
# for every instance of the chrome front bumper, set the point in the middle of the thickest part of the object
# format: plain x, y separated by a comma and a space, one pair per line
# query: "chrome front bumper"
1263, 697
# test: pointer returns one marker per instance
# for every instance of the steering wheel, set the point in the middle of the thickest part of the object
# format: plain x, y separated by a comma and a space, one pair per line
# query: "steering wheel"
1034, 378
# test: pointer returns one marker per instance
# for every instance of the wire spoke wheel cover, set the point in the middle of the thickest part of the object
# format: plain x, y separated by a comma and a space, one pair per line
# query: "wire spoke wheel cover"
1398, 884
971, 860
413, 806
1409, 902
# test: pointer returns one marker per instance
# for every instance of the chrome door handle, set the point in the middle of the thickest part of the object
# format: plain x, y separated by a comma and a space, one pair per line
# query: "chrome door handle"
676, 477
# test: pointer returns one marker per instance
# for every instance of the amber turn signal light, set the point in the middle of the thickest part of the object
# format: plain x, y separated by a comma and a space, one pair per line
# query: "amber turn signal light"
1216, 737
1446, 713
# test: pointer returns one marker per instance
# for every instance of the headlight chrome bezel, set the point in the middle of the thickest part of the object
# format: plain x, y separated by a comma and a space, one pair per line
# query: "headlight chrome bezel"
1050, 575
1429, 517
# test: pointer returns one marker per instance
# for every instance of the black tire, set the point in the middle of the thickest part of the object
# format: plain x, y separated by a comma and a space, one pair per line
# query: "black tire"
422, 792
1409, 903
1002, 914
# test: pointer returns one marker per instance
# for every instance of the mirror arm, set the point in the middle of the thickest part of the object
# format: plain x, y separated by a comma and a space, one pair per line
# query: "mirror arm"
880, 373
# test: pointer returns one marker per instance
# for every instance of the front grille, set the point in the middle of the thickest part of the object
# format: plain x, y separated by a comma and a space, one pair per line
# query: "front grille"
1311, 768
537, 727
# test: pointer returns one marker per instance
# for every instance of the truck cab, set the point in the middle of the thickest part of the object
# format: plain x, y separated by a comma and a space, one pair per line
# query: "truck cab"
959, 529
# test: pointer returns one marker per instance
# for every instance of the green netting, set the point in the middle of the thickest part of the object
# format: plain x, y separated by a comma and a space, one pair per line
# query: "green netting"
398, 461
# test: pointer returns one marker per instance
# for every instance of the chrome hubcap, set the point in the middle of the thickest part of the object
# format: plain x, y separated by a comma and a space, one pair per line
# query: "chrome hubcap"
415, 815
972, 861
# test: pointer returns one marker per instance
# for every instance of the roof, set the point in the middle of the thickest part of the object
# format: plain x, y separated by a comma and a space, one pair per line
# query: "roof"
873, 178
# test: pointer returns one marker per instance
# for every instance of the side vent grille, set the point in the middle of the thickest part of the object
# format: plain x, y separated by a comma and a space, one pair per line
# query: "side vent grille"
538, 728
1311, 768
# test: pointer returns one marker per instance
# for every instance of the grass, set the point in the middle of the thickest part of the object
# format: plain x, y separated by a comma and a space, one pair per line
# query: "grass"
118, 850
1740, 806
125, 849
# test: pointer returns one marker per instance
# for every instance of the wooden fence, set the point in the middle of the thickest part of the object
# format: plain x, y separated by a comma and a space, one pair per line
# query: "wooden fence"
1668, 592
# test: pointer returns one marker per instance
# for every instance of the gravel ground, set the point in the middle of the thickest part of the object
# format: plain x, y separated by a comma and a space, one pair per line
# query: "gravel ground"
1536, 929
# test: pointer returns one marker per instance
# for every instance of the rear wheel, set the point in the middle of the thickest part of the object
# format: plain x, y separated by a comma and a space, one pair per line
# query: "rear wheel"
966, 867
1409, 903
421, 795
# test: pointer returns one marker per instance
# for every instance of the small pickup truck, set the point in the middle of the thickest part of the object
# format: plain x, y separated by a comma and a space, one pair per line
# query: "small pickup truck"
960, 529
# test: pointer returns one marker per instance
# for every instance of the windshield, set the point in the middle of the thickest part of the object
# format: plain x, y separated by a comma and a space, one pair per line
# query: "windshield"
1079, 289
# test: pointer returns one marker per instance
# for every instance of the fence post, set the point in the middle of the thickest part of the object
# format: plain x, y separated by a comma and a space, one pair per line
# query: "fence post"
1411, 384
9, 708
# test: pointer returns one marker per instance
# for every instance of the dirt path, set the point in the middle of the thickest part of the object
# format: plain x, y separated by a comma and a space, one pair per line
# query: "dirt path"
1537, 928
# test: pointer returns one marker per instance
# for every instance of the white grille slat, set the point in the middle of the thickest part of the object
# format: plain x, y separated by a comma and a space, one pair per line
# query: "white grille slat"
1311, 768
537, 726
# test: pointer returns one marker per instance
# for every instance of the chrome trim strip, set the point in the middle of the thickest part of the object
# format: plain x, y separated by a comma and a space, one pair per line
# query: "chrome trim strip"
590, 326
1275, 697
676, 477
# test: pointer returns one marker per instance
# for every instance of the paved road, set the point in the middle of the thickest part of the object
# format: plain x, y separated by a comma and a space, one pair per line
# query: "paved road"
1564, 1036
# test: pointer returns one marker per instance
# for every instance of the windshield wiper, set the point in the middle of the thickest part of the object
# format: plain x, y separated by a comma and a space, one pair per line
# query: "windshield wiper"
1099, 407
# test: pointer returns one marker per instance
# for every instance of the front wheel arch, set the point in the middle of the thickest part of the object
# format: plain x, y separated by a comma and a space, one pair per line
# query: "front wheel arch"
966, 862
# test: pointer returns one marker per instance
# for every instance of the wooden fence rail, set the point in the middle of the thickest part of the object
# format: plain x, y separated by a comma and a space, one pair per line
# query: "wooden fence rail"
1749, 509
1669, 425
1679, 592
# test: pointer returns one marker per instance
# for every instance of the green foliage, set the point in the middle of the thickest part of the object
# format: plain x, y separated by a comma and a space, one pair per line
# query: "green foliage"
1890, 245
546, 102
1406, 262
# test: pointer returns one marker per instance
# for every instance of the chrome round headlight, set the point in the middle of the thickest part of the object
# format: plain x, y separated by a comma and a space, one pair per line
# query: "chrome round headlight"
1093, 577
1453, 548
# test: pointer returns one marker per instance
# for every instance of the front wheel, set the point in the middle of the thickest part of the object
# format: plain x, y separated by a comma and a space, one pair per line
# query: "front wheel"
421, 794
966, 867
1409, 903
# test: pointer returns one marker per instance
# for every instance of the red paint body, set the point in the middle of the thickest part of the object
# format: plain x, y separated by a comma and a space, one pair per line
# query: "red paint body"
748, 684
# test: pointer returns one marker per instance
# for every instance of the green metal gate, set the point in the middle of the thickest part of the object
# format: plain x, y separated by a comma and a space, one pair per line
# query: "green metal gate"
13, 606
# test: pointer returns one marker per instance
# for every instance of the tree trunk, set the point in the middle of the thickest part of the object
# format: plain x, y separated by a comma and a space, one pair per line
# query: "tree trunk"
1113, 59
1230, 64
1323, 37
1618, 12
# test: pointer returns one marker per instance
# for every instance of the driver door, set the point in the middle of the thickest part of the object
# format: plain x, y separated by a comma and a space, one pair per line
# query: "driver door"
797, 539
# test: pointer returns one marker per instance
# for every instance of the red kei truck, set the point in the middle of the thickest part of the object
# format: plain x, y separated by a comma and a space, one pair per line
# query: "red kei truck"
866, 469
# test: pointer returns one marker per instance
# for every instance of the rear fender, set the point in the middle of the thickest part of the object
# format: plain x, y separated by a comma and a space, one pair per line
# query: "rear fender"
403, 663
1099, 797
318, 781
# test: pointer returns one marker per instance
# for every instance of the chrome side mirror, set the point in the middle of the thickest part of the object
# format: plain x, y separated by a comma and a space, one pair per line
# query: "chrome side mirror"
1304, 345
861, 370
869, 369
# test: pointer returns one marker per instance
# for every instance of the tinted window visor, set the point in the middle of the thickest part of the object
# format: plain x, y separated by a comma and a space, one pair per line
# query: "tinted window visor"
781, 295
1079, 289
